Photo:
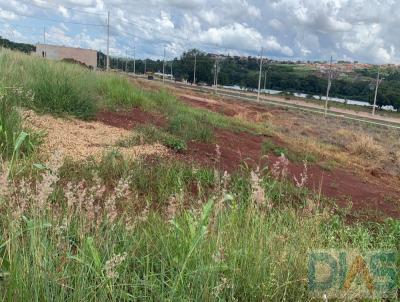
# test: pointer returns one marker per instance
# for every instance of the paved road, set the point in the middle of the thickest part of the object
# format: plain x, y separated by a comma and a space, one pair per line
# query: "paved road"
364, 117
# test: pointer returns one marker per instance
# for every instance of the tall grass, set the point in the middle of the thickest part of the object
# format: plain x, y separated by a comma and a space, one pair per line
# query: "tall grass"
60, 88
57, 87
186, 122
14, 141
80, 241
155, 229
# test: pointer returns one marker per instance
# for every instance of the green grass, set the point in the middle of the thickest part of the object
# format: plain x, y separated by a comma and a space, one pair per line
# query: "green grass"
184, 233
149, 134
57, 87
225, 249
296, 157
184, 121
62, 88
14, 141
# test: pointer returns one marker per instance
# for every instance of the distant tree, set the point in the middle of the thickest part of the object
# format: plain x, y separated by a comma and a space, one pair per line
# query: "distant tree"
23, 47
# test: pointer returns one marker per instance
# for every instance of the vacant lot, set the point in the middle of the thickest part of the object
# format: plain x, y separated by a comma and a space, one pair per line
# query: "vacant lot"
115, 190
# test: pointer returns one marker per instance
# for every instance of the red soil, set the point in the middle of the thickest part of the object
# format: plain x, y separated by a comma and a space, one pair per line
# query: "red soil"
210, 106
373, 200
129, 119
369, 198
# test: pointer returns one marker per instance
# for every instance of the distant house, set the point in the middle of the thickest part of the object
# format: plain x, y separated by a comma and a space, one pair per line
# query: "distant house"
87, 57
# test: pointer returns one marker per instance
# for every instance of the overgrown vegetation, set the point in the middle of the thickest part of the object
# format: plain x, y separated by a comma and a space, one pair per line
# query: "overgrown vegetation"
23, 47
14, 141
56, 88
152, 229
62, 88
112, 239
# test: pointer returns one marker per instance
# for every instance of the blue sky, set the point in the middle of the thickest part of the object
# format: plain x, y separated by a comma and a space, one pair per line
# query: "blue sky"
363, 30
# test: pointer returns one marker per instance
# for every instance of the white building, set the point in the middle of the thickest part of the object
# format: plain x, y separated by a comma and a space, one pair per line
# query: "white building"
54, 52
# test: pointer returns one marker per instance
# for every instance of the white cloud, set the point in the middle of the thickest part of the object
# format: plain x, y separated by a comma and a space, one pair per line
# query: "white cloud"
5, 15
365, 30
276, 24
63, 11
232, 36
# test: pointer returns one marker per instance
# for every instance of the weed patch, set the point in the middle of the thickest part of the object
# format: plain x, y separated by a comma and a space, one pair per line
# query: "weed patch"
149, 134
271, 147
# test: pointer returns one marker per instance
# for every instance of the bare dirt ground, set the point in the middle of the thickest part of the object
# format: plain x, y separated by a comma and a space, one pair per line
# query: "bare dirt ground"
373, 150
129, 119
80, 139
370, 196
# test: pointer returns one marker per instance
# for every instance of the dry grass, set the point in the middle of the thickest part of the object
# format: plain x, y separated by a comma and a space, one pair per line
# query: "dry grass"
79, 139
366, 146
397, 157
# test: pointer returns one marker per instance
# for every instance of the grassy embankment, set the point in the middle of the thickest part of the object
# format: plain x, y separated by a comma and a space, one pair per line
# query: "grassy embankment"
151, 230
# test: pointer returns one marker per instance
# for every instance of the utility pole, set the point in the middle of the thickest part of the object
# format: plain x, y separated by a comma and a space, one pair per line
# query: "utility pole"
108, 41
194, 70
44, 42
134, 59
163, 68
328, 88
265, 79
378, 82
259, 77
216, 75
126, 60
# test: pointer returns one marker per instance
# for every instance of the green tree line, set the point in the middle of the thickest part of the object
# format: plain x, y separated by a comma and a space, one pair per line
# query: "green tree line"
244, 72
26, 48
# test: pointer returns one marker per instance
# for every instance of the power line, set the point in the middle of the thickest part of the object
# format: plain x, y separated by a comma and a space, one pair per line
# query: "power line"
15, 25
60, 21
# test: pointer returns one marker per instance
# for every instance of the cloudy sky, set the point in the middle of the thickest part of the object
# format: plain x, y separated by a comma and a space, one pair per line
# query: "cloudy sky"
363, 30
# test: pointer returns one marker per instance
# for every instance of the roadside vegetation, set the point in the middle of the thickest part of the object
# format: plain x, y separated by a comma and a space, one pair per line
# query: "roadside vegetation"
153, 228
136, 231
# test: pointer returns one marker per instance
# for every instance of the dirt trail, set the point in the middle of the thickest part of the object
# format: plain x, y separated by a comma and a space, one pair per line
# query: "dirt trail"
79, 139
